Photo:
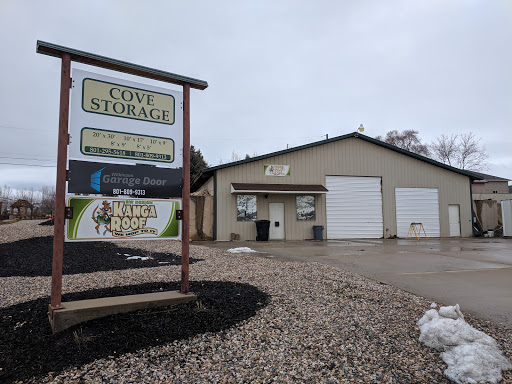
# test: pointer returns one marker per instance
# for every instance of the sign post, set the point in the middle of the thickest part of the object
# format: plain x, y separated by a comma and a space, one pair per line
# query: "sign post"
60, 188
186, 190
132, 146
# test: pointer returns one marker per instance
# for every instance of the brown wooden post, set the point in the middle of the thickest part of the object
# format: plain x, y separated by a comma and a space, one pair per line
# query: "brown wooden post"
185, 229
60, 188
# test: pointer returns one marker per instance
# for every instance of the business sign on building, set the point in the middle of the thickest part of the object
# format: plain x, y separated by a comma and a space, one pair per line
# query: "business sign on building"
96, 219
88, 177
276, 170
124, 122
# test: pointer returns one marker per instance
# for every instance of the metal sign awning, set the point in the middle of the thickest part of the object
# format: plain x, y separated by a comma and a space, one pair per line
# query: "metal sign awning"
303, 189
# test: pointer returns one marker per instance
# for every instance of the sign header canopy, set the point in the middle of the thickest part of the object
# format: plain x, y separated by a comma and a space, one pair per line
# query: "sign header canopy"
118, 65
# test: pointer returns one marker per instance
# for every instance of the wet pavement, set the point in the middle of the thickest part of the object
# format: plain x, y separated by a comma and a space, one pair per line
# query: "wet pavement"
473, 272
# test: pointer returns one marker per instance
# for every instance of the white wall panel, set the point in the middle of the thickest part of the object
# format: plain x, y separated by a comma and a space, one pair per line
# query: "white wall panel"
506, 214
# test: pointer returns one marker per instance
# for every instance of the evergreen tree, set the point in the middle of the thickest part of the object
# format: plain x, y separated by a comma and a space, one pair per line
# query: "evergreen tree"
197, 162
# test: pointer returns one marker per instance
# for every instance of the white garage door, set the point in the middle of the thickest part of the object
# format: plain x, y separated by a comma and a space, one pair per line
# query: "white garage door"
417, 205
354, 207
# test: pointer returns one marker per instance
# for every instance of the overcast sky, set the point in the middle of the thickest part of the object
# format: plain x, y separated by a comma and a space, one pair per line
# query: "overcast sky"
280, 73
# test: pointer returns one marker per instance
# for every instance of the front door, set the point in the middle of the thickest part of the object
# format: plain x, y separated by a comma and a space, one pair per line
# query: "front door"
454, 217
276, 217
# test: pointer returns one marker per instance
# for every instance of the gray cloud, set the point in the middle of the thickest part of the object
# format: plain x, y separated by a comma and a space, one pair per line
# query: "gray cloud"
280, 73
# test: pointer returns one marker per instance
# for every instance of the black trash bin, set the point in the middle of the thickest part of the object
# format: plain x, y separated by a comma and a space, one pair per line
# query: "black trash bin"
262, 229
318, 232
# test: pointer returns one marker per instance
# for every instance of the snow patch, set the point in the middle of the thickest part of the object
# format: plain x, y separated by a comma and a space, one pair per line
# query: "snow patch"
433, 305
472, 356
143, 258
241, 250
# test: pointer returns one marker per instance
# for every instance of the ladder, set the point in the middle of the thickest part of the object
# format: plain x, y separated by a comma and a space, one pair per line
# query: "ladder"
415, 228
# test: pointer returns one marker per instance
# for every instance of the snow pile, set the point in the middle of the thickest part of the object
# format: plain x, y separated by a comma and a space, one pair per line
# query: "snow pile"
241, 250
143, 258
472, 356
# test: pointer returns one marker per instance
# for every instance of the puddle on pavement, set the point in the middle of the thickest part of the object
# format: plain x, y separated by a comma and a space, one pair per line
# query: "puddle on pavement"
337, 243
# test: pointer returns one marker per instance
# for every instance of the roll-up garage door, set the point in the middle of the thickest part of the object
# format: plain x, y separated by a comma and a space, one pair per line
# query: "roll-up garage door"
354, 207
417, 205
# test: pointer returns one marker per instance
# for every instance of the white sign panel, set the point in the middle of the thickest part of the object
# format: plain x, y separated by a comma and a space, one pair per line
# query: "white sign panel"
119, 121
96, 218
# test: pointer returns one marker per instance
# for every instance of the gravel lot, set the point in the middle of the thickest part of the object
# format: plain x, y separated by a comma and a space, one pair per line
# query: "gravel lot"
258, 321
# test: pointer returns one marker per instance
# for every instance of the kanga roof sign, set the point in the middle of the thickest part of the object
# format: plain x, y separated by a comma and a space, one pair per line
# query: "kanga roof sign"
110, 218
121, 121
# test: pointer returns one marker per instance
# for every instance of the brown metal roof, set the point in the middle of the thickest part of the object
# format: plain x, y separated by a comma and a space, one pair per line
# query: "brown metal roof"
487, 177
282, 188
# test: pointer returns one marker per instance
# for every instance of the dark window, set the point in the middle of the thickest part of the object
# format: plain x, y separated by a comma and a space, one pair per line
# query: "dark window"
246, 208
305, 207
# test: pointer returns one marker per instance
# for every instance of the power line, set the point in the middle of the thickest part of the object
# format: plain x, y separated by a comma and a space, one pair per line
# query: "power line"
25, 154
257, 138
26, 129
25, 158
32, 165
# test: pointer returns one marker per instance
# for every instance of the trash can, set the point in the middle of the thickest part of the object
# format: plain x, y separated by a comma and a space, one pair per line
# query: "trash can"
262, 229
318, 232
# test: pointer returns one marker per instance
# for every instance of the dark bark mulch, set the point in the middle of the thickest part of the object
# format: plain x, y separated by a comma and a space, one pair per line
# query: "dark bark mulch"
47, 222
28, 348
33, 257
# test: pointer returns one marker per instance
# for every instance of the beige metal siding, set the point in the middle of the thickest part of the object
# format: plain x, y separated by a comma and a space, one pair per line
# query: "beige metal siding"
348, 157
490, 187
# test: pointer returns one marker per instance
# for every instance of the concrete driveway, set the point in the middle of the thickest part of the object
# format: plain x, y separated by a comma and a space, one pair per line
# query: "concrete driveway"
473, 272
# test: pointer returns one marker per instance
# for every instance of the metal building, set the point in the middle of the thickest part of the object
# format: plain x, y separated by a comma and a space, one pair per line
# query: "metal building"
352, 185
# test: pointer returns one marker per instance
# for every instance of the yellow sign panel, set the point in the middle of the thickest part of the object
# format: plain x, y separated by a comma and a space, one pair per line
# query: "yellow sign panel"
100, 142
132, 103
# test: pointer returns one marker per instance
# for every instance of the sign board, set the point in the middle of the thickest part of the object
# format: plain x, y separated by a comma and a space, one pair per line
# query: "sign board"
100, 142
114, 99
96, 219
277, 170
115, 179
124, 122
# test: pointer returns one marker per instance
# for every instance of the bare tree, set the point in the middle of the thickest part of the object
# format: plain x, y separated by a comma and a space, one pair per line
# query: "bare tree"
48, 200
234, 156
6, 196
408, 140
444, 149
461, 151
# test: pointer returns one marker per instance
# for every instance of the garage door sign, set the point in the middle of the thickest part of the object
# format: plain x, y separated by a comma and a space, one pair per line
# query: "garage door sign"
115, 179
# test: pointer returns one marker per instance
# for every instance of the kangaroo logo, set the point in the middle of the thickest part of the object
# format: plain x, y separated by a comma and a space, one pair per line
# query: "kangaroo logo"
102, 217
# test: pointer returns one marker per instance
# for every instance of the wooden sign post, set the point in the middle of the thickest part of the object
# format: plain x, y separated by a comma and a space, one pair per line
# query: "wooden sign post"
68, 55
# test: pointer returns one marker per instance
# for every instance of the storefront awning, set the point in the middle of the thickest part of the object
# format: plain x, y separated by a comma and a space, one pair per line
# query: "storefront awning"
296, 189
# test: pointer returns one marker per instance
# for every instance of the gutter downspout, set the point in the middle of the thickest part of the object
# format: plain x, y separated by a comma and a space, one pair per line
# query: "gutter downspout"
472, 212
214, 205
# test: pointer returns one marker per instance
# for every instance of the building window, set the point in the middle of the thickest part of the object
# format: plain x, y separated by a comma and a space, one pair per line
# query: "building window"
246, 208
305, 207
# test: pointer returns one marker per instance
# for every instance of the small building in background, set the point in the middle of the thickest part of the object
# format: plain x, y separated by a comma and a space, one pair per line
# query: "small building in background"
487, 196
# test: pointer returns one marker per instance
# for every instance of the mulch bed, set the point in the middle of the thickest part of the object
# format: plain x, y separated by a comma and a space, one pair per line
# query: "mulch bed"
33, 257
30, 349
